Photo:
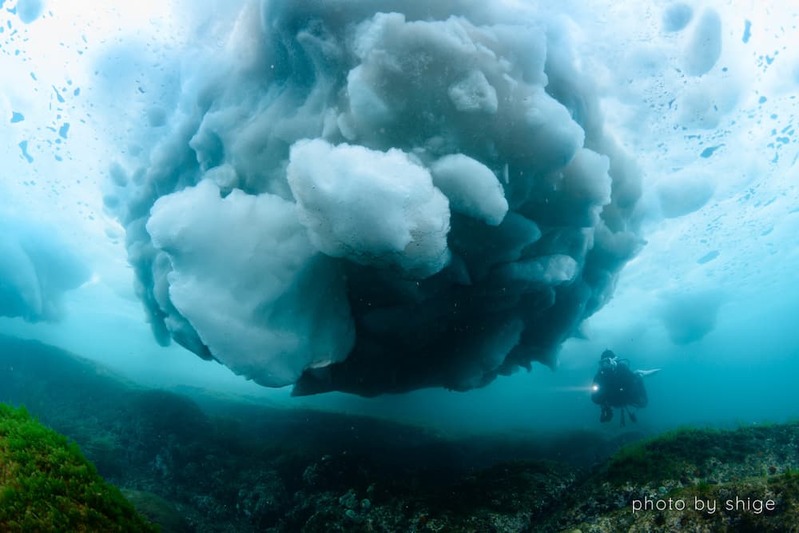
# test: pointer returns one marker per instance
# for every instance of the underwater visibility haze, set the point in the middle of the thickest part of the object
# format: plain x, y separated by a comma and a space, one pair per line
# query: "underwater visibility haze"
437, 212
386, 197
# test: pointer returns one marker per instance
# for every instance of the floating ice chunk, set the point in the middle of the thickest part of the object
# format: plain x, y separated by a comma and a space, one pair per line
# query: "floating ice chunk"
471, 187
224, 176
689, 317
682, 193
410, 89
677, 16
247, 279
587, 184
483, 247
474, 93
548, 270
36, 268
704, 48
373, 208
366, 107
20, 290
543, 133
484, 353
29, 10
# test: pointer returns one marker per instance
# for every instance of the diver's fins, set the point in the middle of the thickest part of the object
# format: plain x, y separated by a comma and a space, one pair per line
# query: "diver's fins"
645, 373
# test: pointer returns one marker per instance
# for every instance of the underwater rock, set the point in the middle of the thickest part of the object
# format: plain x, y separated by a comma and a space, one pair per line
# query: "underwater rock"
236, 466
49, 486
692, 479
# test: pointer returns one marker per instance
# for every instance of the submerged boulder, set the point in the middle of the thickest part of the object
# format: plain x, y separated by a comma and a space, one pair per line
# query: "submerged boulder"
46, 484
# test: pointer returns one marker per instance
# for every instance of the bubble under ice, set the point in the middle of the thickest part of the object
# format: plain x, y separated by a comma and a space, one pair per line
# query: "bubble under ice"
376, 197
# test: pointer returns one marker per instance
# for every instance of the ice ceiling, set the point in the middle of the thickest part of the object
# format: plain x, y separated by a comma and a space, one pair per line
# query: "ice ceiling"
383, 196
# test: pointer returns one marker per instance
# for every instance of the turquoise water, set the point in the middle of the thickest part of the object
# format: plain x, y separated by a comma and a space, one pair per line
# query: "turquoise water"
409, 202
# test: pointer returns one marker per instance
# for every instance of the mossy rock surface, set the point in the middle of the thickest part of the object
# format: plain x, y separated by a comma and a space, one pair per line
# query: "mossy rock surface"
159, 511
692, 480
693, 454
203, 463
47, 485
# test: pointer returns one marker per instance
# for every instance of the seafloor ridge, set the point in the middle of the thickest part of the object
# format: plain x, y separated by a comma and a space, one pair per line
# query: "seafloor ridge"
193, 462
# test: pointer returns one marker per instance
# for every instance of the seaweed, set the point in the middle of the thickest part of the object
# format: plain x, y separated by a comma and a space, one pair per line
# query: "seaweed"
46, 483
689, 453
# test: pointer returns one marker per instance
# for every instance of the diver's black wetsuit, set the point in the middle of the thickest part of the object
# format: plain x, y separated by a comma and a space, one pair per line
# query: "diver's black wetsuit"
616, 386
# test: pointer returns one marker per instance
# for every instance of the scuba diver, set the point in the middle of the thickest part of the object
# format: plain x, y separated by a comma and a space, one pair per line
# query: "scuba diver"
616, 386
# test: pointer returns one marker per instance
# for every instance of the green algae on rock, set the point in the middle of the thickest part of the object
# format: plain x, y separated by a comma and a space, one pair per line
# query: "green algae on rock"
46, 484
693, 480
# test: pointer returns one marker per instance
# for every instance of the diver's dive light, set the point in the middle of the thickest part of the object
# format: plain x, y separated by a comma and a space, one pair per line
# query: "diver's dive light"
594, 387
